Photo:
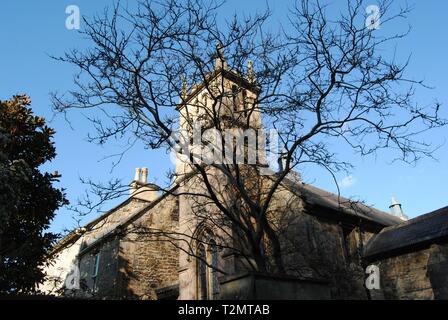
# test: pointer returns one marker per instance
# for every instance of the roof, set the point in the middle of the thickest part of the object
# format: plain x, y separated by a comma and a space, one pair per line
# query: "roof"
74, 235
411, 234
338, 204
310, 194
127, 220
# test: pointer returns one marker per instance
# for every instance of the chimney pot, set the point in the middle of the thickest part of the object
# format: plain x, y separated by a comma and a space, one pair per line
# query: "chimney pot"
140, 189
137, 174
144, 175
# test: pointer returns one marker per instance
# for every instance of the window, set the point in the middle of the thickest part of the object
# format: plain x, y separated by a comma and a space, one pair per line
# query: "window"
214, 272
202, 272
207, 273
205, 100
236, 100
96, 266
245, 102
196, 103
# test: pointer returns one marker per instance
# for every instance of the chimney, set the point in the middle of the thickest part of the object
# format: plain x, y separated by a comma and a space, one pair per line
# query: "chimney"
144, 175
396, 210
140, 188
137, 174
135, 182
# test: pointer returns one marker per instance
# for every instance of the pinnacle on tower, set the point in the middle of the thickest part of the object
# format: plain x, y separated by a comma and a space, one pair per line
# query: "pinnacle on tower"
184, 87
250, 72
220, 60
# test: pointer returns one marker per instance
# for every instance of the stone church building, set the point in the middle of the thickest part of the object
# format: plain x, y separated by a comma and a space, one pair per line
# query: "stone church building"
133, 251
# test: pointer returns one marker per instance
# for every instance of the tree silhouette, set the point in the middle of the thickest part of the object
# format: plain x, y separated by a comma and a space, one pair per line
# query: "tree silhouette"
320, 82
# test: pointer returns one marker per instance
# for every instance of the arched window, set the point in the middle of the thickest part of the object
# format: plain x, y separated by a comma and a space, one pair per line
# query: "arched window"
202, 273
207, 271
235, 98
213, 249
245, 102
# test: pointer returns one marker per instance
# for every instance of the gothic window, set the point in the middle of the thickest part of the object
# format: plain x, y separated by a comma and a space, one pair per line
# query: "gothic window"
207, 273
214, 272
205, 100
235, 98
196, 104
95, 269
202, 273
245, 102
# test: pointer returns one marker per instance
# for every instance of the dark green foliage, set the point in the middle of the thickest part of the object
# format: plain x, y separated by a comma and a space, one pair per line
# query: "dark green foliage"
28, 200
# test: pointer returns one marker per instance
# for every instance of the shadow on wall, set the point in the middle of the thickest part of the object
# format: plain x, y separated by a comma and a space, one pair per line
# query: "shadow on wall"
437, 271
113, 277
125, 276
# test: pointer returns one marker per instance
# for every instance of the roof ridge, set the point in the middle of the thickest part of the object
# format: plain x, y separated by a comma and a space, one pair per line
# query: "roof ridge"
417, 219
384, 218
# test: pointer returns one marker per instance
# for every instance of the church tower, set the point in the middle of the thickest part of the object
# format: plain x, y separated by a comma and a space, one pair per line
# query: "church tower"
224, 100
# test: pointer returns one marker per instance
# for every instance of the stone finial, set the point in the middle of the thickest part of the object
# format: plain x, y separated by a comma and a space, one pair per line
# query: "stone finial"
220, 60
282, 160
219, 50
250, 72
144, 175
184, 87
137, 174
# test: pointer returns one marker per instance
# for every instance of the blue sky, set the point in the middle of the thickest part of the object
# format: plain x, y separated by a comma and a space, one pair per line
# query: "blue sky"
30, 31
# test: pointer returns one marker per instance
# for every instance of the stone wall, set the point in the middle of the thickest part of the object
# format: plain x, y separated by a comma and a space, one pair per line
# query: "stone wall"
69, 258
256, 286
149, 258
419, 274
321, 248
60, 267
438, 270
313, 247
195, 218
136, 257
106, 280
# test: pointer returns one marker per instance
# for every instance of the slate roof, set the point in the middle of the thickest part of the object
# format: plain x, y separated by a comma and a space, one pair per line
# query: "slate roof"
419, 231
338, 204
74, 235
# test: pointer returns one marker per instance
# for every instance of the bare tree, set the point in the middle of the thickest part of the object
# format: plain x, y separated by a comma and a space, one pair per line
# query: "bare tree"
317, 81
